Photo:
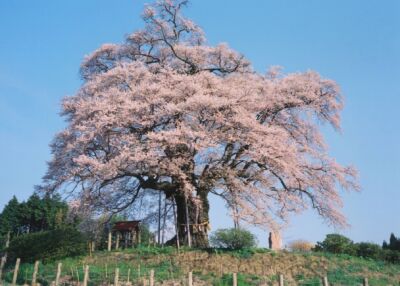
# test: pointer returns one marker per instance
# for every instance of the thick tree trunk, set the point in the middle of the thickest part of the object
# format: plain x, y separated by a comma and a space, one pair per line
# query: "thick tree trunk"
198, 220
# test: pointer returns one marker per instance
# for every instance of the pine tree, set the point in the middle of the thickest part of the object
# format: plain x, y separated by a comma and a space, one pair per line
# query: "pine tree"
10, 217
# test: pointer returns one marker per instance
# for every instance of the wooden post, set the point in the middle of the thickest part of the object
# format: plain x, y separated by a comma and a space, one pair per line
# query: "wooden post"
281, 283
365, 281
86, 276
164, 223
2, 263
190, 279
159, 219
144, 282
58, 274
176, 225
125, 240
138, 270
129, 274
16, 269
151, 277
117, 242
109, 241
189, 237
139, 238
116, 277
325, 281
234, 279
35, 272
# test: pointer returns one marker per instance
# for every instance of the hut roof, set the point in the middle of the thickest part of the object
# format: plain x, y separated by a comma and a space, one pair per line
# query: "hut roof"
126, 225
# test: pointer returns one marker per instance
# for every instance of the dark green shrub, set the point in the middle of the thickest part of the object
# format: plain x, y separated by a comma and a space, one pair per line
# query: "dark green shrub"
336, 243
368, 250
48, 245
232, 239
391, 256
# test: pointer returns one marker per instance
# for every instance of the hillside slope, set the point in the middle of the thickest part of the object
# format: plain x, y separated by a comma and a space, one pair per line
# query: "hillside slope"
254, 267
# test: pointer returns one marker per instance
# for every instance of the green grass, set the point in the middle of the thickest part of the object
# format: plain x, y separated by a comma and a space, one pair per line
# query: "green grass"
169, 265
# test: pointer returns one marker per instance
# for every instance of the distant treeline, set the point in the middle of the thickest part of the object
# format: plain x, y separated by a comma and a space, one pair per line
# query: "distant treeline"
339, 244
34, 215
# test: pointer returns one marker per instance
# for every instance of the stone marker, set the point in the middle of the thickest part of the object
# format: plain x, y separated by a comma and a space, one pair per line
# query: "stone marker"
274, 240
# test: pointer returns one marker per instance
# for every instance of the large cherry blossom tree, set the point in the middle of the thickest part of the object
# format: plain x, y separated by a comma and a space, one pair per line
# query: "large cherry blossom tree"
166, 112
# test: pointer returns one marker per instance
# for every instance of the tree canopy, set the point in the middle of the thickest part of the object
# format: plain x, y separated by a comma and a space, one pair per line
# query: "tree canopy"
165, 111
34, 215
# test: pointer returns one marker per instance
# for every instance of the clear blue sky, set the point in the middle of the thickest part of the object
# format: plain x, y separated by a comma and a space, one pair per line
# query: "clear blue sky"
356, 43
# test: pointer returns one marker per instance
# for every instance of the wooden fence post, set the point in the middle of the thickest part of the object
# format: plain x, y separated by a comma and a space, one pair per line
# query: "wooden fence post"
325, 281
151, 277
86, 276
129, 274
234, 279
365, 281
116, 277
16, 269
190, 279
109, 241
2, 263
281, 280
35, 272
58, 274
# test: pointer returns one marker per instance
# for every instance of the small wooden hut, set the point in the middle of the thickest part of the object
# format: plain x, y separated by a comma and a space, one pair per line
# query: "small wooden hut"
126, 233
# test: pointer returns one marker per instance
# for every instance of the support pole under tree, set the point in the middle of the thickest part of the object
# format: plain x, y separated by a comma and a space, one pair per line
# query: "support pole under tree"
365, 282
176, 224
109, 241
189, 238
164, 222
159, 219
16, 269
35, 273
58, 274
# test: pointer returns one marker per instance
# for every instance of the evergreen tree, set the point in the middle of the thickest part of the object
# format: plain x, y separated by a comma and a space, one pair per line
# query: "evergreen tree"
394, 242
10, 217
34, 215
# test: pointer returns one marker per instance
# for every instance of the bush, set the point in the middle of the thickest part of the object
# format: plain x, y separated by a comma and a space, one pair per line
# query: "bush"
391, 256
301, 245
48, 245
232, 239
336, 243
368, 250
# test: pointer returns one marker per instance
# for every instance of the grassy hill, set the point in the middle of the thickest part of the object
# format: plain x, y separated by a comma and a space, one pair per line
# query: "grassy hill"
215, 267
